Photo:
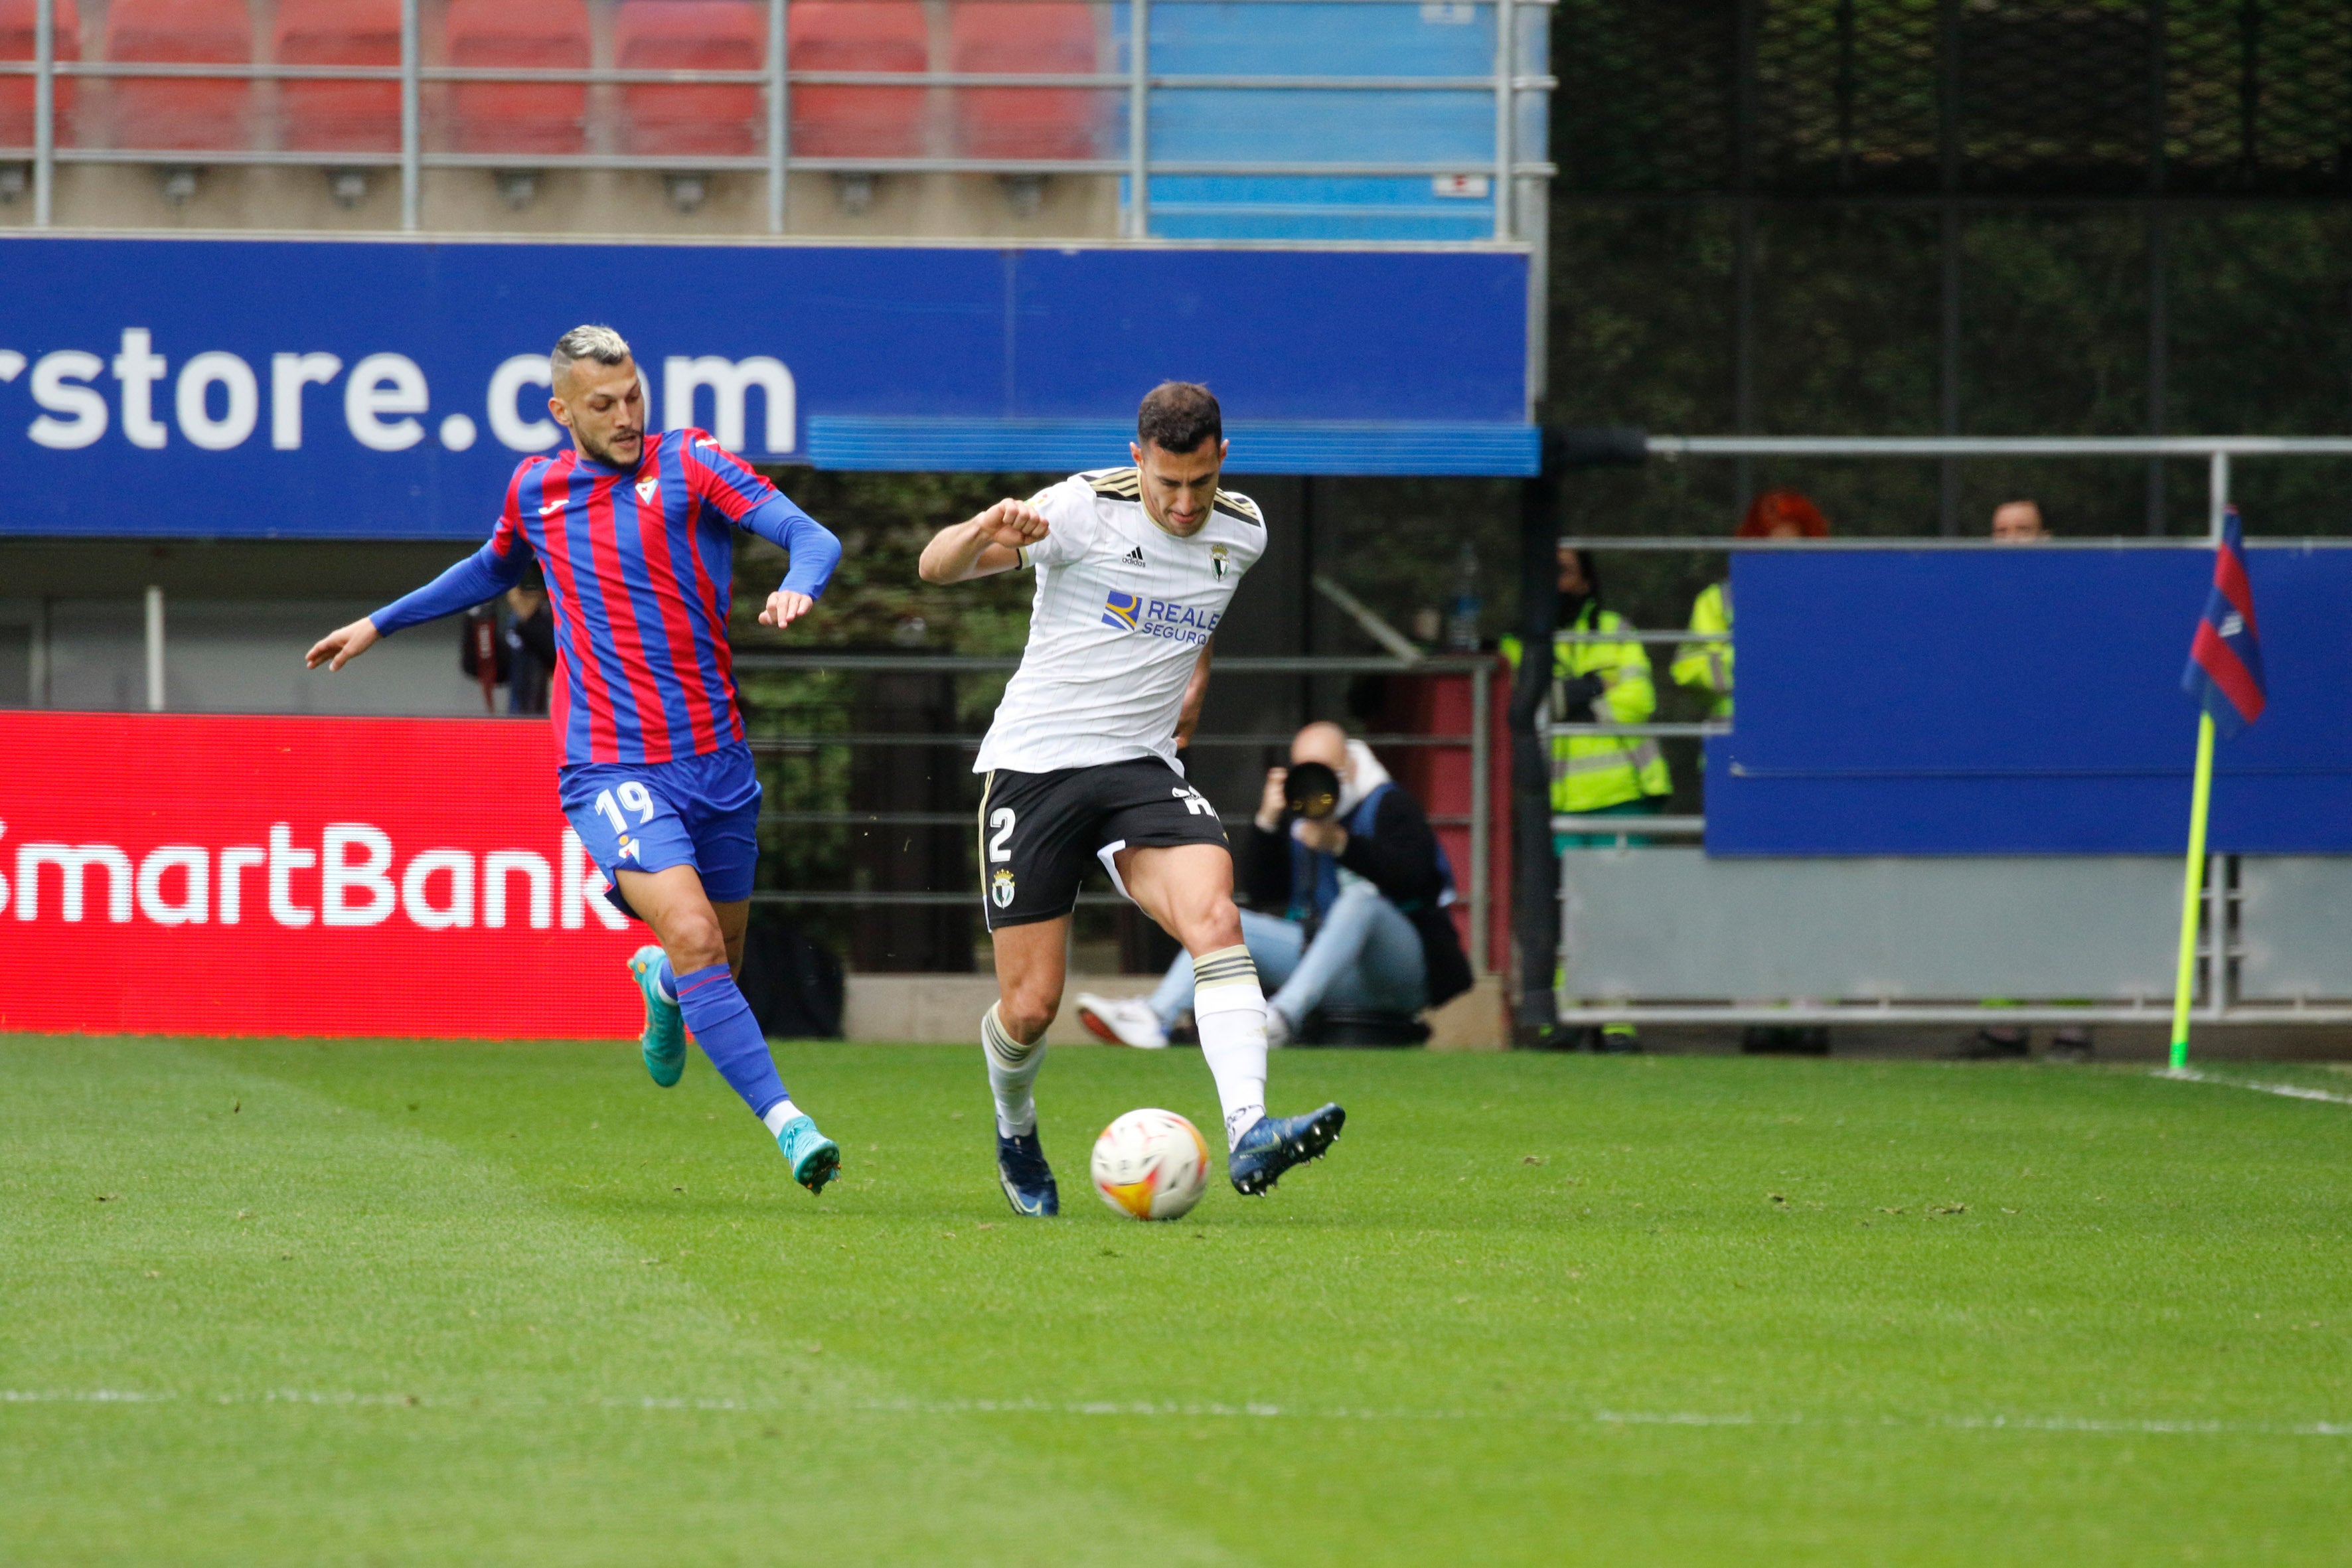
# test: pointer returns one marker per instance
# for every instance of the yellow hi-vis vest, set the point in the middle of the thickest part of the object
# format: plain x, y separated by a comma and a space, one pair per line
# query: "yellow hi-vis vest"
1591, 772
1707, 664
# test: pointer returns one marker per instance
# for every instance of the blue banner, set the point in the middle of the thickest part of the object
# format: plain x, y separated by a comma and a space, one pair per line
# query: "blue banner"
385, 389
2022, 701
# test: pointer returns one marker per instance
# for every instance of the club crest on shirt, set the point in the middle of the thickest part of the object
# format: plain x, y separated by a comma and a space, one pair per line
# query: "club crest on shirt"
1220, 561
1000, 888
647, 487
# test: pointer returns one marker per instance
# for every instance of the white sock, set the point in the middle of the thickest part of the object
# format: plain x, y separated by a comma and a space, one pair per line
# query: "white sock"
784, 1110
1230, 1009
1012, 1074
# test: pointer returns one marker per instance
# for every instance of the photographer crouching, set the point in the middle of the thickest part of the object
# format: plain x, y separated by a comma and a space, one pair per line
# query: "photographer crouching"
1363, 886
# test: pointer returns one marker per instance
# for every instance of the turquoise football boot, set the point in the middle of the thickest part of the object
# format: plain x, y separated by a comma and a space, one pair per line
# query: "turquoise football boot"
663, 1041
815, 1157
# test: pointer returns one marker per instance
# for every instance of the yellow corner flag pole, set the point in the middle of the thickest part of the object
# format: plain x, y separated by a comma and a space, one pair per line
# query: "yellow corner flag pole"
2185, 979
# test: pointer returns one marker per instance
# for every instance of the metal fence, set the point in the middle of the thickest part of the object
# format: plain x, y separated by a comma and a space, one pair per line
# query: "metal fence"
1476, 890
1516, 157
2222, 945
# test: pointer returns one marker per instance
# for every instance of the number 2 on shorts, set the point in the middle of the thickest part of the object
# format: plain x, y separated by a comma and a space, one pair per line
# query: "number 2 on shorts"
634, 795
1001, 819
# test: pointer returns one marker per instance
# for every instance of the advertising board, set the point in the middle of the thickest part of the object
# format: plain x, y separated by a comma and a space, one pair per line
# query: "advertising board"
321, 388
177, 875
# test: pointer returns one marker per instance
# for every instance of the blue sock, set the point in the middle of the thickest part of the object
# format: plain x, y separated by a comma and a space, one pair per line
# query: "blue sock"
666, 978
723, 1026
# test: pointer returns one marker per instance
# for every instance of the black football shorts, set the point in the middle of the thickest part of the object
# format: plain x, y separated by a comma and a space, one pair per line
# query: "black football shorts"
1040, 833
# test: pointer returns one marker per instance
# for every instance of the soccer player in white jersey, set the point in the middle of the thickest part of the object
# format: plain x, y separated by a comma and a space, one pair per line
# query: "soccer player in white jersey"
1135, 568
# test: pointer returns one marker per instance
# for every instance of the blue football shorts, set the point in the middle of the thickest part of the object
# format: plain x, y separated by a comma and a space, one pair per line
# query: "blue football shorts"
702, 812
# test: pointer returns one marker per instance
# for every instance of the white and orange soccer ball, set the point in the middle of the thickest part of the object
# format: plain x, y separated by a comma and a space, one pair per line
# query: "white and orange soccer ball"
1151, 1164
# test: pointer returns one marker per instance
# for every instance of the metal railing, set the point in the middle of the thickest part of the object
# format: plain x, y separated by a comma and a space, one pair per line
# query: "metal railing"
2219, 949
1506, 83
1476, 890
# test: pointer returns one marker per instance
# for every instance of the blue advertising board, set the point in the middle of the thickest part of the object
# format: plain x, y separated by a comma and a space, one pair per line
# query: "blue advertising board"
2023, 701
385, 389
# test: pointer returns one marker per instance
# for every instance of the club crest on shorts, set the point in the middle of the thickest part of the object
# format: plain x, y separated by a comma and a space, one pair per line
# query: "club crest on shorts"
1120, 609
1000, 888
1220, 561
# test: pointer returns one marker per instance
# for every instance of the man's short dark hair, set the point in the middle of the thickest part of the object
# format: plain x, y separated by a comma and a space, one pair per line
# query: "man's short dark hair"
1176, 417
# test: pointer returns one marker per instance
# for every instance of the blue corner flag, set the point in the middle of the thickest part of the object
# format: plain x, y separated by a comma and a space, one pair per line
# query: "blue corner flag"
2225, 660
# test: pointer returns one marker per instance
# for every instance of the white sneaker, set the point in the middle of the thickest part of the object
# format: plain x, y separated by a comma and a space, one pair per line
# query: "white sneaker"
1131, 1022
1278, 1029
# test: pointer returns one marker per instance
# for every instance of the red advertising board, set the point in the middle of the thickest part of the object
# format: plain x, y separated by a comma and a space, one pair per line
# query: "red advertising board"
162, 874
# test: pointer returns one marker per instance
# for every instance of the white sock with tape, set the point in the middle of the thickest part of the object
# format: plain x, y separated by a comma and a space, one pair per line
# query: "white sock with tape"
1012, 1074
1230, 1009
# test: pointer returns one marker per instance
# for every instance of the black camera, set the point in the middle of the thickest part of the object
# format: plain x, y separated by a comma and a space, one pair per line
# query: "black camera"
1312, 790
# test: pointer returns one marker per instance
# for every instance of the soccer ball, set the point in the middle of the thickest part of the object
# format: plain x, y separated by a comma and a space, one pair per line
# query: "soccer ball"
1151, 1164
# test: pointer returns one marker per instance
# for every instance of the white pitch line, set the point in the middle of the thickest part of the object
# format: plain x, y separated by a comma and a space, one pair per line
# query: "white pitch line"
2285, 1090
1127, 1409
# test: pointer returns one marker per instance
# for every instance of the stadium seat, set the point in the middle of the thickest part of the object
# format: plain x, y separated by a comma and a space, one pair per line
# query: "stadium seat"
691, 35
858, 36
519, 117
340, 116
16, 17
1024, 35
180, 113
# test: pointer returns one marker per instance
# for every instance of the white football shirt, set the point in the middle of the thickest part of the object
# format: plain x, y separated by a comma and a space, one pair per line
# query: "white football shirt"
1121, 611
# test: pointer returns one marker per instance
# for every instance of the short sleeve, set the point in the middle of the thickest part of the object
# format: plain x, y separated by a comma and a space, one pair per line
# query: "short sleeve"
1069, 509
719, 477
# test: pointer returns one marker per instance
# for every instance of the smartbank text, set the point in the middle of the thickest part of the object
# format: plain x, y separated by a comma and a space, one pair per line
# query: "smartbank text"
352, 876
150, 393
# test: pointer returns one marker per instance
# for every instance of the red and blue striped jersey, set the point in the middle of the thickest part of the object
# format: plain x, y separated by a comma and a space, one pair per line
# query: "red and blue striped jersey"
640, 571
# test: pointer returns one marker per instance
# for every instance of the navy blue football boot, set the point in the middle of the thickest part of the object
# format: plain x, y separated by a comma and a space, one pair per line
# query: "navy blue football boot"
1276, 1143
1028, 1180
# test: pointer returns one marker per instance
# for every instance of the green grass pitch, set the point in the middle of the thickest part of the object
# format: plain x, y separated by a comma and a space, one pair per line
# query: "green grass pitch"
296, 1304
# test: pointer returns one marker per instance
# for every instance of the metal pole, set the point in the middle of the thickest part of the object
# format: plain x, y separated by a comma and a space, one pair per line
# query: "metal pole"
1138, 118
155, 649
2218, 485
779, 118
1503, 139
45, 108
411, 118
1481, 801
1534, 869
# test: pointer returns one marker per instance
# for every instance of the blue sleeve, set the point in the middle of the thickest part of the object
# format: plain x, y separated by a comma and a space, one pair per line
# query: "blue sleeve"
484, 574
814, 549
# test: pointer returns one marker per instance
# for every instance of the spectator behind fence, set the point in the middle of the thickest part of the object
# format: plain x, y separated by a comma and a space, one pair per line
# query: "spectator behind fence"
513, 647
1363, 889
1706, 667
2020, 523
1596, 683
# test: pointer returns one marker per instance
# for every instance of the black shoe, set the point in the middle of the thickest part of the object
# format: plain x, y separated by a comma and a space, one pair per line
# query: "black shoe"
2069, 1045
1784, 1040
1617, 1040
1995, 1045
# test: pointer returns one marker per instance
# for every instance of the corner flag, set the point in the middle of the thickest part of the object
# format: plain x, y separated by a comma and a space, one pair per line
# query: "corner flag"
2225, 676
2225, 662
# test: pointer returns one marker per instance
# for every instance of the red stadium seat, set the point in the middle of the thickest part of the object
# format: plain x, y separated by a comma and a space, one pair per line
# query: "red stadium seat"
180, 113
340, 116
858, 36
519, 116
1024, 35
16, 43
691, 34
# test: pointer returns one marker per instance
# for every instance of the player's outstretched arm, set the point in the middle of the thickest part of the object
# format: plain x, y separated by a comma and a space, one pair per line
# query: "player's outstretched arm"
984, 545
481, 576
1196, 691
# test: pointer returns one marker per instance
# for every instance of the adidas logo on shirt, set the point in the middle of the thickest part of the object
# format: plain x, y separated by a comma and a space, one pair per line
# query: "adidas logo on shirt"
1135, 556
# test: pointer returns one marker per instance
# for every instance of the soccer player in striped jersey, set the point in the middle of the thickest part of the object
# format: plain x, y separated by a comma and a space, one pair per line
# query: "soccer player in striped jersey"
635, 535
1135, 568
